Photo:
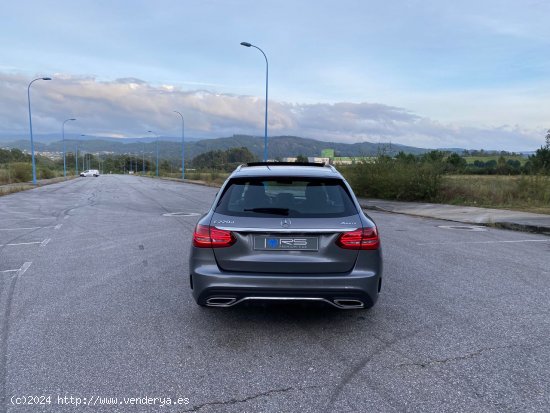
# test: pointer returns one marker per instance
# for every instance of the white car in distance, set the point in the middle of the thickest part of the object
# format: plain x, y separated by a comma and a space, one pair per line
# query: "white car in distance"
90, 172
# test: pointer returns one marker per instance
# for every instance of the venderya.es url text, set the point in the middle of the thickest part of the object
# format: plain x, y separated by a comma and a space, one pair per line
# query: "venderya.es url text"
93, 400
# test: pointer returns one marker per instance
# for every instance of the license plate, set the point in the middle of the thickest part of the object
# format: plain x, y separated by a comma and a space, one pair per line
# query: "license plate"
266, 243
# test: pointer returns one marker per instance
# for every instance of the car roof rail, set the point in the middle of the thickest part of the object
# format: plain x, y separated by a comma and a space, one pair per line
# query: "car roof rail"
275, 163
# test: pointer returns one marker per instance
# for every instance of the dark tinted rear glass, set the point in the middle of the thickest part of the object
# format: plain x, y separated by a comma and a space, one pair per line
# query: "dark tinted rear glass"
292, 197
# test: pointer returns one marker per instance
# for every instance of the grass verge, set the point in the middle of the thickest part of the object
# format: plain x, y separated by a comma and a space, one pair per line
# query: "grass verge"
523, 193
23, 186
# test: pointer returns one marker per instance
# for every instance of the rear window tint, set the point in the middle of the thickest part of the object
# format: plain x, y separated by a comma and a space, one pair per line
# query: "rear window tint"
291, 197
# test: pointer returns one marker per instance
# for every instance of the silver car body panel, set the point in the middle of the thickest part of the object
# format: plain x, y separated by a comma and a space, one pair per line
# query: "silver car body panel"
223, 277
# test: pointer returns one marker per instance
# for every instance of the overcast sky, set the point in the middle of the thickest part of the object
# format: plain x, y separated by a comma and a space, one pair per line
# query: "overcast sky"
472, 74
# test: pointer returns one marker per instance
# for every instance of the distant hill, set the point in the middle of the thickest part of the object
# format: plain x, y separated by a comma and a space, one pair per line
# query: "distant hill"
279, 146
282, 146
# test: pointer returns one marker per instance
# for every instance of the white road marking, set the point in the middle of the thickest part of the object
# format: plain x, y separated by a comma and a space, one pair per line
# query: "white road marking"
45, 242
181, 214
21, 243
20, 229
24, 268
25, 219
20, 271
29, 228
487, 242
471, 228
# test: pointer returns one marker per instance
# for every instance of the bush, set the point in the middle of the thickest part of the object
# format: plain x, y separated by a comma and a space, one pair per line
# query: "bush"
193, 176
20, 171
45, 173
399, 179
214, 175
5, 177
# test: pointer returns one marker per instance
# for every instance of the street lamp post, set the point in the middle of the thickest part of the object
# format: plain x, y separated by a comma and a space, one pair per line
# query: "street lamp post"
83, 160
143, 160
182, 146
64, 151
157, 151
246, 44
30, 126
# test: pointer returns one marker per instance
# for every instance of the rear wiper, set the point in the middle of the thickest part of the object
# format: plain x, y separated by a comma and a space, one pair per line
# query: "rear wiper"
275, 211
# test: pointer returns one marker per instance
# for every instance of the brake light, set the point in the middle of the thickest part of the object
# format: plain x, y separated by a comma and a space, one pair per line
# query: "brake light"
212, 237
360, 239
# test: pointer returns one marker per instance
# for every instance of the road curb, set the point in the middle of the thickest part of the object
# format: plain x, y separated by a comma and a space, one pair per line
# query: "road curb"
514, 226
189, 181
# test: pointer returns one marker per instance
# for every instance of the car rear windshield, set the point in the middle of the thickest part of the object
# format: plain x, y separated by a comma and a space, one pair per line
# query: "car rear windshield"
292, 197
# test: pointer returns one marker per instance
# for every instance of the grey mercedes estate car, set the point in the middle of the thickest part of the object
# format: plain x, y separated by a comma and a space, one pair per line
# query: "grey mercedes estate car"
286, 231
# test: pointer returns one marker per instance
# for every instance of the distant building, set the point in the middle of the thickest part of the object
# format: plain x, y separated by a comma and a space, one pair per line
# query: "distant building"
343, 160
327, 157
315, 159
50, 155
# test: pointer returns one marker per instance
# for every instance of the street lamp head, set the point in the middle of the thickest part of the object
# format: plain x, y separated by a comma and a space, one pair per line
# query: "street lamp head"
246, 44
72, 119
46, 78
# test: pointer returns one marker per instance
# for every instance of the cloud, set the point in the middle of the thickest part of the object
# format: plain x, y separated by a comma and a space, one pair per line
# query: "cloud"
131, 107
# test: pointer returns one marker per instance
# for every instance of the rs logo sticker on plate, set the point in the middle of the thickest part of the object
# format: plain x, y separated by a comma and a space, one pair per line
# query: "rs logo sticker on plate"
286, 243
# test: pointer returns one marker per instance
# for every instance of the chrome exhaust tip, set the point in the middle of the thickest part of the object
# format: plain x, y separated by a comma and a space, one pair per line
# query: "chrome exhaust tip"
221, 301
346, 303
341, 303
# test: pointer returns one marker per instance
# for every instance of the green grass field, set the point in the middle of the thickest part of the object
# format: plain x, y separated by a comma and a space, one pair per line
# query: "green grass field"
472, 159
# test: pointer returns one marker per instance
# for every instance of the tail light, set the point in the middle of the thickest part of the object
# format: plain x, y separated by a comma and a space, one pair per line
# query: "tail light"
360, 239
212, 237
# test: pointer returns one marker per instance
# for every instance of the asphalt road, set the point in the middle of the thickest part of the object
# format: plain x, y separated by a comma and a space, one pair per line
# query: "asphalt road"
95, 302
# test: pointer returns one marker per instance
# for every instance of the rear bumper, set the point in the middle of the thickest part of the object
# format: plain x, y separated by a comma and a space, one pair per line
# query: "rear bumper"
208, 281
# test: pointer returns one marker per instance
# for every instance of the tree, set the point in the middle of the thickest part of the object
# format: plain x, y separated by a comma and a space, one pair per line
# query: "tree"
491, 164
502, 166
239, 155
223, 160
301, 158
164, 165
433, 156
540, 161
456, 162
406, 158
